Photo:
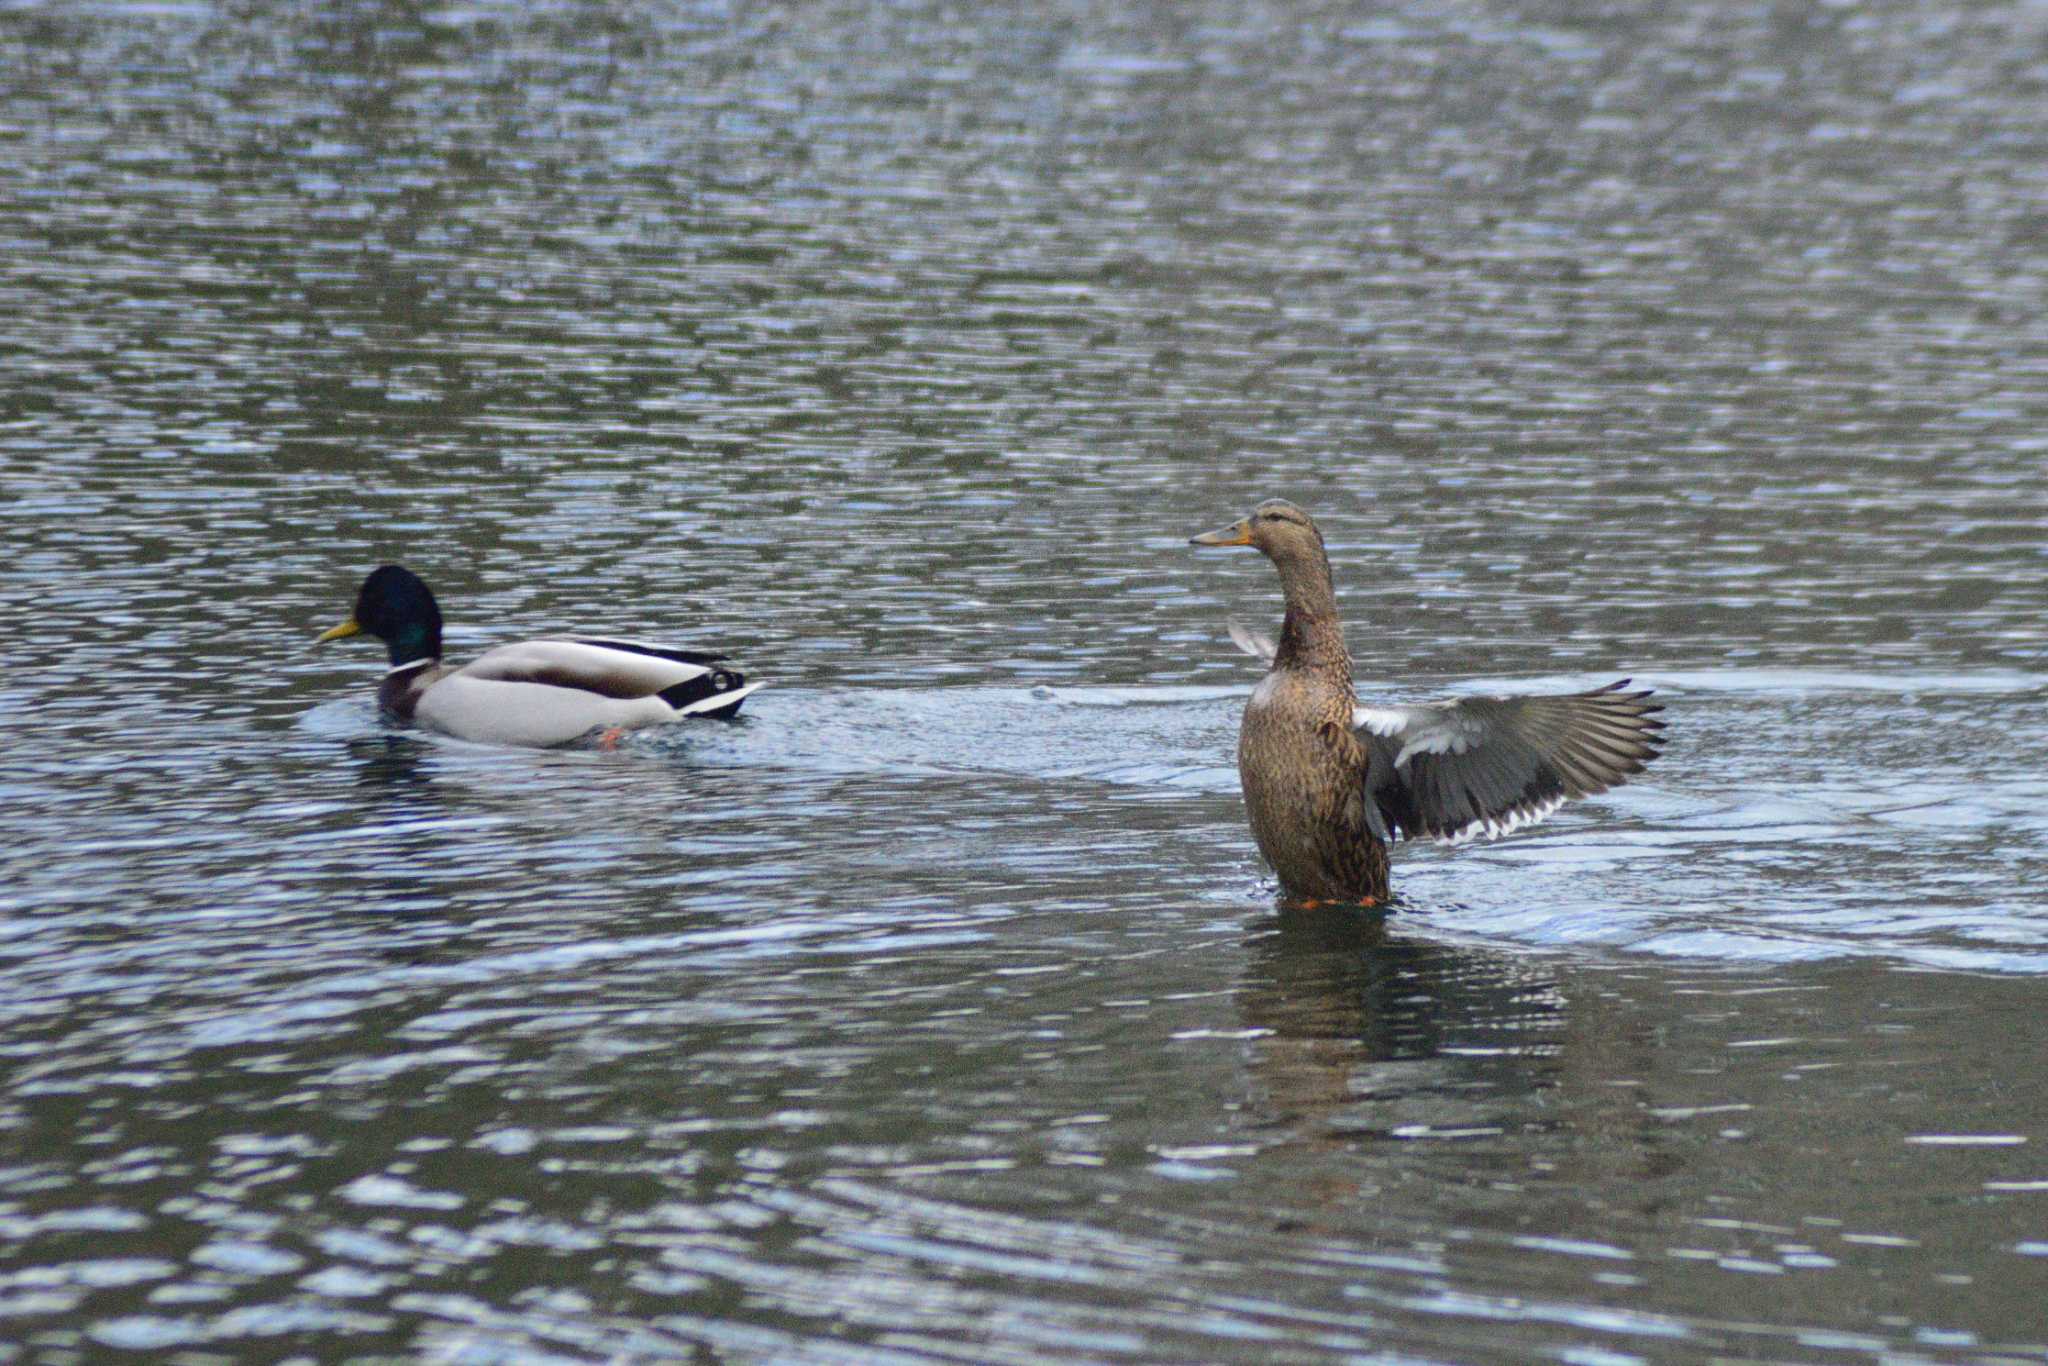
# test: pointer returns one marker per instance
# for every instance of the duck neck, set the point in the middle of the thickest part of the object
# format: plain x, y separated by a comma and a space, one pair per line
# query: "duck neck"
1312, 635
415, 641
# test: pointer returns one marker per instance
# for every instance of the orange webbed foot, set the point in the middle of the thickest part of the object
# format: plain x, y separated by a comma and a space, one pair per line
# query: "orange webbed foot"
1314, 903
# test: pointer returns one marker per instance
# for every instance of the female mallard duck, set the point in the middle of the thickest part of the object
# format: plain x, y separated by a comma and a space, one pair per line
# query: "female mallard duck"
1329, 783
537, 692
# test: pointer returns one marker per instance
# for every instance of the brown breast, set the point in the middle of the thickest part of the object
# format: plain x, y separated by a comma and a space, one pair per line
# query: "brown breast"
1303, 773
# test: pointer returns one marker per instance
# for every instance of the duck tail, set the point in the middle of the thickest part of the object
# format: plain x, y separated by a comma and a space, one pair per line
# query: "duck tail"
717, 692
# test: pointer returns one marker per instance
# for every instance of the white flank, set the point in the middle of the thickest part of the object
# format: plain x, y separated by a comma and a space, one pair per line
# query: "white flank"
473, 708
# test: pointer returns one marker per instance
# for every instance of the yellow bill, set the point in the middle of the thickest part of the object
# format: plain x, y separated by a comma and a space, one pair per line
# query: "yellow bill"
347, 628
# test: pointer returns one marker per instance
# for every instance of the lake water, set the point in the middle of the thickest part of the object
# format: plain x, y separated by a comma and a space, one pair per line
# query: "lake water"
940, 1009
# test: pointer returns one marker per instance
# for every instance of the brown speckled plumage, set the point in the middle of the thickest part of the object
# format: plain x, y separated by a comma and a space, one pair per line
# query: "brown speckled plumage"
1328, 783
1293, 752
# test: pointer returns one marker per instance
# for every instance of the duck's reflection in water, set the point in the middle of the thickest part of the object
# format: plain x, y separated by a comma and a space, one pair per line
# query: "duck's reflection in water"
1439, 1063
392, 760
1366, 1028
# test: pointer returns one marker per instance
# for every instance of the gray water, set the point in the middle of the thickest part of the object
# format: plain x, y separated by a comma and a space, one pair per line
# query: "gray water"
940, 1009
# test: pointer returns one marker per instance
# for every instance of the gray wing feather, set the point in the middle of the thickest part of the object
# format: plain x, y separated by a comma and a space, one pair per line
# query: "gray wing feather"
1488, 765
1253, 643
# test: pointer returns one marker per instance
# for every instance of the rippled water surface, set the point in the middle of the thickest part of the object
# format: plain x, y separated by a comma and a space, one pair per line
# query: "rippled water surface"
940, 1008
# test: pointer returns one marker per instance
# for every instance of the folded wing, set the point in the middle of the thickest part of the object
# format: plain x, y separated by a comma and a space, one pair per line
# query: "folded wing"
647, 683
1450, 771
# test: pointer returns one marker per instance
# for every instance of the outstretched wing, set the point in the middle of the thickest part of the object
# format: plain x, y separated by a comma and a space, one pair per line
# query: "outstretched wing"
1488, 765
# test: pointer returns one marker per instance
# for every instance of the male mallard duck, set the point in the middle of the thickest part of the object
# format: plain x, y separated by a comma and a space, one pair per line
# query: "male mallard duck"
1328, 783
537, 692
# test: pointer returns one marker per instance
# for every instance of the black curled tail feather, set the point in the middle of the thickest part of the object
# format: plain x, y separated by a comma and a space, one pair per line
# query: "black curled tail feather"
704, 685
